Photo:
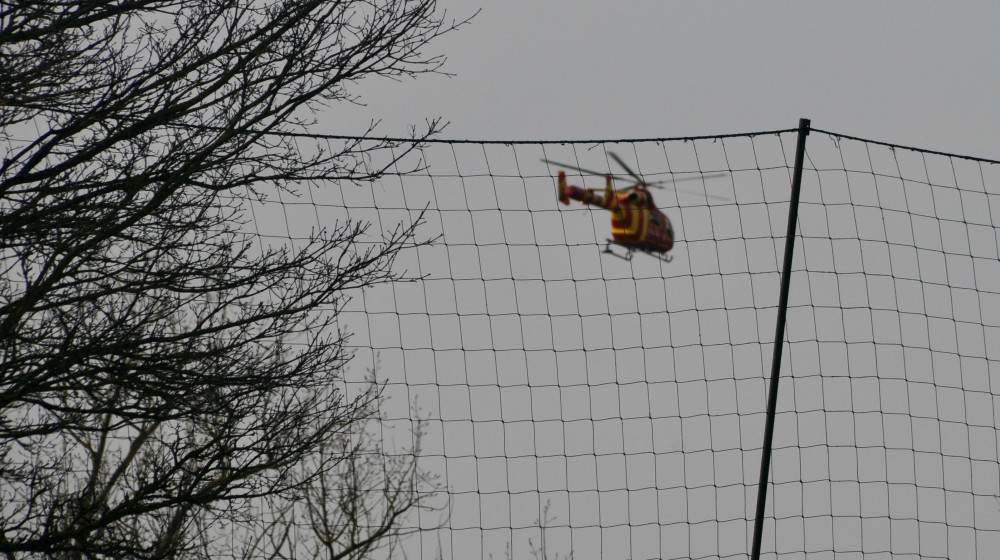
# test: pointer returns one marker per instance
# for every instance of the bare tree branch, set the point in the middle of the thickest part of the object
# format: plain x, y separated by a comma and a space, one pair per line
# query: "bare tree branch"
158, 370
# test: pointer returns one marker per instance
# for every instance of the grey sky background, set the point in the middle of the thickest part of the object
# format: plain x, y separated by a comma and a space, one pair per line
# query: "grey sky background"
624, 400
920, 73
621, 403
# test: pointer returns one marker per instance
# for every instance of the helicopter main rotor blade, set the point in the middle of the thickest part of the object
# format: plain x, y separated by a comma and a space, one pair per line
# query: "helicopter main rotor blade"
583, 170
655, 184
668, 184
681, 191
625, 166
705, 194
660, 184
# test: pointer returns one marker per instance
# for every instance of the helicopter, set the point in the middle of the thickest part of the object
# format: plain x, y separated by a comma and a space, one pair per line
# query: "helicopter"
636, 223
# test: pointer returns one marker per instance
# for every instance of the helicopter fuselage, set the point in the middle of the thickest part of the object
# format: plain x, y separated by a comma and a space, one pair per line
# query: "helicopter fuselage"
636, 222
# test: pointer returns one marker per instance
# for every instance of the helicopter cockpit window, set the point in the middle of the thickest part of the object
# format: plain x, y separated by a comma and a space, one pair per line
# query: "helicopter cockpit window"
636, 197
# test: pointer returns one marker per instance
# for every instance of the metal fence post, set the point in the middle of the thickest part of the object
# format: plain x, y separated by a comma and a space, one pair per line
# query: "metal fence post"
779, 336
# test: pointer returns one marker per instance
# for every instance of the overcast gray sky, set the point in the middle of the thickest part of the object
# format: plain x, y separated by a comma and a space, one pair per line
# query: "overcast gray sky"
628, 396
912, 72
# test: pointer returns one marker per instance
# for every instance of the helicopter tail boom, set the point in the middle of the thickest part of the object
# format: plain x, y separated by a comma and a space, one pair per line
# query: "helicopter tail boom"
603, 198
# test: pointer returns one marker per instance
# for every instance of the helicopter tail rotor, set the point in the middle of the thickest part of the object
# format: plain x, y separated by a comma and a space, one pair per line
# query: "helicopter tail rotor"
562, 188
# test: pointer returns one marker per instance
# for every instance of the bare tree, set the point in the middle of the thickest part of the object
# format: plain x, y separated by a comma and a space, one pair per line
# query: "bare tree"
354, 509
159, 372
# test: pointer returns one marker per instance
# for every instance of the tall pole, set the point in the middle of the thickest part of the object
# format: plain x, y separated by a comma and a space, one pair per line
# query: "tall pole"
779, 337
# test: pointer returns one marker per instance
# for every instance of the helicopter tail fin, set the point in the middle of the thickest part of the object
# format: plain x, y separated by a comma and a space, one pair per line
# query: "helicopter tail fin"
563, 188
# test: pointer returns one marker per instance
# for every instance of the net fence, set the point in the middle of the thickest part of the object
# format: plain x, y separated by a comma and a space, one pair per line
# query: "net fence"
573, 402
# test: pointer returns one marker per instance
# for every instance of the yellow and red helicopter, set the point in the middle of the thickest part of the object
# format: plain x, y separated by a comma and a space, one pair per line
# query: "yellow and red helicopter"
636, 223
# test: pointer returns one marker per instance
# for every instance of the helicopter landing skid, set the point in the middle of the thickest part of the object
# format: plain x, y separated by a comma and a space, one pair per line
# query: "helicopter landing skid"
630, 252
